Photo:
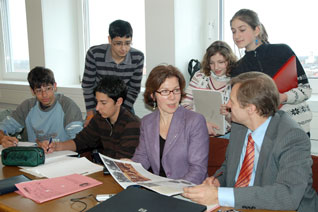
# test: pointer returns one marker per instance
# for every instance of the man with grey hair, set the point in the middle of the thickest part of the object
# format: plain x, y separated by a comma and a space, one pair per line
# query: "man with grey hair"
268, 161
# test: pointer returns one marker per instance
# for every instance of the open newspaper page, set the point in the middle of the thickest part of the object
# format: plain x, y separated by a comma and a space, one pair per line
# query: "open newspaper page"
128, 173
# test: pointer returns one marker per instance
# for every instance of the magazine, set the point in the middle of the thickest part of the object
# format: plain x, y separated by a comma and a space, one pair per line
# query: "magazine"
128, 173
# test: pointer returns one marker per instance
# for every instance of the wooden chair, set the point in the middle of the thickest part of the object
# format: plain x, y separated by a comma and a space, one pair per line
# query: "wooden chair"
216, 154
315, 172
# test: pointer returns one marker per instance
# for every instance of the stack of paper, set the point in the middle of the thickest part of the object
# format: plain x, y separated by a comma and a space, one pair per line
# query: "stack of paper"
62, 166
48, 189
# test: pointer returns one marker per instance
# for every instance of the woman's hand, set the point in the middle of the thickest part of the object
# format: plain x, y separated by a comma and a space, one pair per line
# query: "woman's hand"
282, 98
212, 128
126, 159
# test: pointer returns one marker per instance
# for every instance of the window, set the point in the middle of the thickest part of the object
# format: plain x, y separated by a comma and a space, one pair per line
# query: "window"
292, 23
102, 13
14, 38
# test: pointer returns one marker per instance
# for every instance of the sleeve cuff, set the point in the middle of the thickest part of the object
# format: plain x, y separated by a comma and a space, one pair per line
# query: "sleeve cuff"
226, 196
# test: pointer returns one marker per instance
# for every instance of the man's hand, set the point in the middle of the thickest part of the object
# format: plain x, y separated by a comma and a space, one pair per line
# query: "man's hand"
203, 194
8, 141
212, 181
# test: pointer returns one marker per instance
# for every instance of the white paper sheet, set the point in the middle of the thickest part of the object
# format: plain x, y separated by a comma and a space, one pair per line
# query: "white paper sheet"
64, 166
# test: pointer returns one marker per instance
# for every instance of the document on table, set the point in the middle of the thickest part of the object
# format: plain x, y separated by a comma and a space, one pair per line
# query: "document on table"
64, 166
21, 143
58, 154
47, 189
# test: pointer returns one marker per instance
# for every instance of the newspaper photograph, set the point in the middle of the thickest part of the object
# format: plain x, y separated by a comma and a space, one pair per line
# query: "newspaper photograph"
128, 173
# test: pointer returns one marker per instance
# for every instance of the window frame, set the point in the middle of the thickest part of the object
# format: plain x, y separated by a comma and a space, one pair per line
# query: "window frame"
7, 60
239, 52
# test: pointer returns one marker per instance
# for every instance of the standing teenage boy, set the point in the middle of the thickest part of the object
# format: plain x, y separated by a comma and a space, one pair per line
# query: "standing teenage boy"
116, 58
47, 116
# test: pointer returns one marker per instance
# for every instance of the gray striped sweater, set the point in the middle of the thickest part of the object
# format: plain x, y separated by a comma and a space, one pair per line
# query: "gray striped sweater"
99, 63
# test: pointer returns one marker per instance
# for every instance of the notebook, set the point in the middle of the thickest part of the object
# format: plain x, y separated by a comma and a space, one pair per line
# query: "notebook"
208, 103
286, 77
136, 199
8, 185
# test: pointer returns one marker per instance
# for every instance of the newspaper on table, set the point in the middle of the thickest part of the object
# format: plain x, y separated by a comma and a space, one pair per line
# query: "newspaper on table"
128, 173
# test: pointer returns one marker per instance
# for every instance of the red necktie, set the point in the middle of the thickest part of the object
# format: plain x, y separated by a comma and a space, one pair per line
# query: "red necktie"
247, 167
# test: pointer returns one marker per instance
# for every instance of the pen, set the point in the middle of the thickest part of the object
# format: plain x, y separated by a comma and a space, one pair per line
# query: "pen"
50, 141
218, 175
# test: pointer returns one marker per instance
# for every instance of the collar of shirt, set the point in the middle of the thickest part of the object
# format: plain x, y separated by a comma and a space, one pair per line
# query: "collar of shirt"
258, 137
109, 58
259, 134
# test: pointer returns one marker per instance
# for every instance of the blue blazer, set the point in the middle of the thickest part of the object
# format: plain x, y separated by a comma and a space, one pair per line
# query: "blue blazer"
186, 150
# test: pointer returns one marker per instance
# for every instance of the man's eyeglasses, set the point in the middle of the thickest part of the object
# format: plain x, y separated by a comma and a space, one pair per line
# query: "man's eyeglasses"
120, 43
47, 89
167, 92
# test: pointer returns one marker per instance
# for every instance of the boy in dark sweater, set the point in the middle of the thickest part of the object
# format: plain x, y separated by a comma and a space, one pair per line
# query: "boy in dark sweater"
113, 130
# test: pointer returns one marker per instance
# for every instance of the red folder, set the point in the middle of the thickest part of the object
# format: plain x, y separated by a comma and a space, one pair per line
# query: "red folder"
286, 77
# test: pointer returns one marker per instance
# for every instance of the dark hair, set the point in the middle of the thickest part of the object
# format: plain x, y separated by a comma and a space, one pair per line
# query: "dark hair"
120, 28
40, 76
258, 89
251, 18
113, 86
157, 76
225, 50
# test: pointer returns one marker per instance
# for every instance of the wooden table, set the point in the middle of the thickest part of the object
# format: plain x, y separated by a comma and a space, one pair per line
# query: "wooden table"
13, 202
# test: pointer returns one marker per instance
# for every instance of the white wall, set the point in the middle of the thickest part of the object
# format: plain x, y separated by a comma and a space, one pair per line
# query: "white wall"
190, 32
61, 40
160, 34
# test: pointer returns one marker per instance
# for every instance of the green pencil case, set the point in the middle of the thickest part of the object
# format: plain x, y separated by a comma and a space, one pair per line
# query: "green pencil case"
23, 156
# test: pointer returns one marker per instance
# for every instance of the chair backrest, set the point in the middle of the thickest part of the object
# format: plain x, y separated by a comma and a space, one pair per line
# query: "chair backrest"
216, 154
315, 172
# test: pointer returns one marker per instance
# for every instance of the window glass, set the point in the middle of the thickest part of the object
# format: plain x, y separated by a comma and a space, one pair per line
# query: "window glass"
15, 38
102, 13
289, 22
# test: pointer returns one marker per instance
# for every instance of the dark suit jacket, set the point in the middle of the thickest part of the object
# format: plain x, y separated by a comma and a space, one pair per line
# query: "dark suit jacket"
283, 179
186, 150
